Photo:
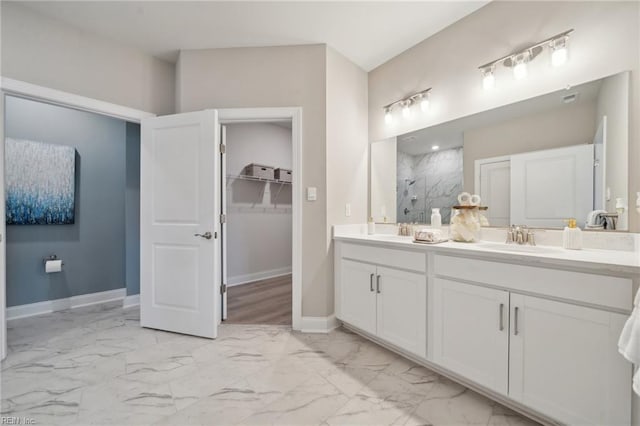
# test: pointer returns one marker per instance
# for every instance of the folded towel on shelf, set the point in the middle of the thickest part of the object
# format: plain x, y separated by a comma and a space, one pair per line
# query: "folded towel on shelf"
629, 342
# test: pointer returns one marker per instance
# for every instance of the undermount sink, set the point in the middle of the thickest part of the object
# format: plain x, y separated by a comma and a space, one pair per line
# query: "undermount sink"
520, 248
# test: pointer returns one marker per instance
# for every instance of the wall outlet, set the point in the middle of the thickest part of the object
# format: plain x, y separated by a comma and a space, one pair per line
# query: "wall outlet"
347, 210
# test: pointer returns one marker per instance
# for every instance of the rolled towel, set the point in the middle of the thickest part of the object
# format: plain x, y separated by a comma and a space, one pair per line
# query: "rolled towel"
428, 235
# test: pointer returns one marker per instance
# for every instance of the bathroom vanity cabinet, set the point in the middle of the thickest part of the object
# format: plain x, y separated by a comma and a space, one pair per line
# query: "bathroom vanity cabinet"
540, 338
386, 295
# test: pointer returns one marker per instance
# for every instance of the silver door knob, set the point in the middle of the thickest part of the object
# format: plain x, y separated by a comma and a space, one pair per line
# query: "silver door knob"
206, 235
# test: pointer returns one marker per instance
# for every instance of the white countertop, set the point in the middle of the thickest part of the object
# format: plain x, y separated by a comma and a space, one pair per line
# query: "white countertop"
626, 262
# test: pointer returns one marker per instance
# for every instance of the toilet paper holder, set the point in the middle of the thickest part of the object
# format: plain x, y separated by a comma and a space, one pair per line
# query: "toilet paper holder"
52, 257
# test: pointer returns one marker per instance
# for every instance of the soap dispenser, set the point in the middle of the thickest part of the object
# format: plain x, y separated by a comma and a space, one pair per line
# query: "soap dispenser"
572, 236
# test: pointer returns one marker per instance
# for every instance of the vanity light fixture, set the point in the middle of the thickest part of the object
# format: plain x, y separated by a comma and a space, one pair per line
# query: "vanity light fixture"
405, 104
519, 60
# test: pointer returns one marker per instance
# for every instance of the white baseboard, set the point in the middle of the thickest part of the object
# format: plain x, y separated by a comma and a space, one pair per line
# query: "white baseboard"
319, 324
131, 301
257, 276
48, 306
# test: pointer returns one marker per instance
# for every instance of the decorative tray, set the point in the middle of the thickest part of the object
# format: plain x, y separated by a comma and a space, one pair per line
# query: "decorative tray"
430, 242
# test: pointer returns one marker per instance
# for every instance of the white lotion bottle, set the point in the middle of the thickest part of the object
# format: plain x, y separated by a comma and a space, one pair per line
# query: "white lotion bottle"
371, 226
436, 218
572, 236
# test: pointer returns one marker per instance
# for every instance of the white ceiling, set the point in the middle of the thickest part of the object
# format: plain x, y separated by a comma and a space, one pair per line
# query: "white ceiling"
368, 33
450, 135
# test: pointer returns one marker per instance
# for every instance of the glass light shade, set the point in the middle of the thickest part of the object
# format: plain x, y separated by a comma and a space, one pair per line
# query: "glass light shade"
488, 81
406, 111
520, 71
388, 118
424, 103
559, 56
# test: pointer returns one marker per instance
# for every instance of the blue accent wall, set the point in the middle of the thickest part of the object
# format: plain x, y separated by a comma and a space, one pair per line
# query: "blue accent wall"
93, 249
132, 210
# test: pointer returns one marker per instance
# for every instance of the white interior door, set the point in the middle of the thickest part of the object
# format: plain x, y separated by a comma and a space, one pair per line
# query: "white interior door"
494, 186
223, 226
179, 247
550, 186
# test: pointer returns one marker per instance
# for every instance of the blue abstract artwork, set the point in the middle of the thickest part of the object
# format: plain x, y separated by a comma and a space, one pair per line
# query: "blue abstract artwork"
40, 183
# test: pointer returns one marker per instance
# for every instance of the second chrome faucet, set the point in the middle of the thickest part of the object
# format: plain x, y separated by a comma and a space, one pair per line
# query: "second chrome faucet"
520, 234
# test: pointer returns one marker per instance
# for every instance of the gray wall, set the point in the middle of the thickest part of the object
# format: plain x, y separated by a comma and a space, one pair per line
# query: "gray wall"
569, 124
93, 249
132, 209
47, 52
273, 77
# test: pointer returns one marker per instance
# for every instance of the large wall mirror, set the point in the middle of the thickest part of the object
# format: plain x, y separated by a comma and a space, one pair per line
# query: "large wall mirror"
535, 162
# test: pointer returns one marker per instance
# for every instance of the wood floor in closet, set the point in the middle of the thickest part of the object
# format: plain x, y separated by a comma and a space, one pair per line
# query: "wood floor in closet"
260, 302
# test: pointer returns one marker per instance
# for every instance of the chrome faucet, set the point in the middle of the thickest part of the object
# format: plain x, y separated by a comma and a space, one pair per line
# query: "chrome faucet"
520, 234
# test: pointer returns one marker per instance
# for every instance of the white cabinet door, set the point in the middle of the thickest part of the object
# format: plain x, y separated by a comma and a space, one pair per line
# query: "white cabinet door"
471, 332
179, 249
564, 362
358, 295
568, 171
402, 309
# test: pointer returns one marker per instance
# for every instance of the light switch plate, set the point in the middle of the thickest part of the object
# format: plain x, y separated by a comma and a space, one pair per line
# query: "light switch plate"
312, 193
347, 210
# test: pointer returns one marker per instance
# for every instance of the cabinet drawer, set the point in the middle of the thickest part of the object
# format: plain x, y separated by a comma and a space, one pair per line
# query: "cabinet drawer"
403, 259
606, 291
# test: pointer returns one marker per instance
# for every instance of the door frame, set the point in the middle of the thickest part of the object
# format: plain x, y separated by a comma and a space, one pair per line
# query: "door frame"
261, 115
22, 89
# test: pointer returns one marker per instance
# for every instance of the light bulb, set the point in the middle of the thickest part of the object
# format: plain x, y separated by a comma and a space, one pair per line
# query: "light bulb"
388, 118
520, 70
489, 80
558, 51
559, 56
424, 103
406, 111
435, 147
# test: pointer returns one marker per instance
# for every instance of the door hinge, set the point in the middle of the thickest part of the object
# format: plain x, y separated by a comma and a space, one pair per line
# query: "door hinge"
223, 289
223, 148
223, 218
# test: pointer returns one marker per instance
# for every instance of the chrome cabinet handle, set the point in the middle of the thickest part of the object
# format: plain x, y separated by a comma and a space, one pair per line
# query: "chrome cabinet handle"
501, 316
207, 235
378, 285
371, 282
515, 321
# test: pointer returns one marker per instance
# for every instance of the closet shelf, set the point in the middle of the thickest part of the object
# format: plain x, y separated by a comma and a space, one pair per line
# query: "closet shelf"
257, 179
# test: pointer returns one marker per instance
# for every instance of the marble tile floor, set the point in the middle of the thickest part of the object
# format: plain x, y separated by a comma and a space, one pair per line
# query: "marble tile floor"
97, 366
